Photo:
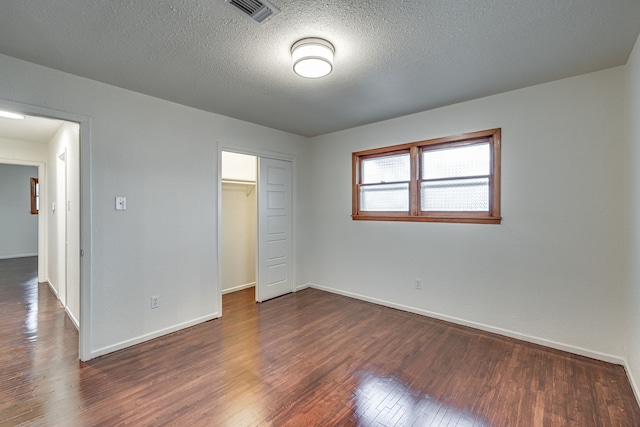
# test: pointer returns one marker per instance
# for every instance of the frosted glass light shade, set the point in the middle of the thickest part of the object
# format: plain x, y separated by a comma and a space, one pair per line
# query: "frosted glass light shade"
10, 115
312, 58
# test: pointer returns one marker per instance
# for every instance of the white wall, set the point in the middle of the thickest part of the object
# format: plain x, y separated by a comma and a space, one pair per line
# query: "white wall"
18, 227
633, 297
236, 166
552, 272
11, 149
63, 225
239, 236
163, 157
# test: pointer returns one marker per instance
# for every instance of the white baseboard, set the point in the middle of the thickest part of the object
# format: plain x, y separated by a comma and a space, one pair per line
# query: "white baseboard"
66, 309
500, 331
18, 256
634, 385
303, 286
146, 337
73, 318
53, 289
238, 288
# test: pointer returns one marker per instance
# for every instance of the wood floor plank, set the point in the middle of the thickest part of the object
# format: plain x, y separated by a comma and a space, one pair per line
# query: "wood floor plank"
307, 359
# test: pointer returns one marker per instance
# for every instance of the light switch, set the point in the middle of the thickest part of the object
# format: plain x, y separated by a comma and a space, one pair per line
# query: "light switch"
121, 203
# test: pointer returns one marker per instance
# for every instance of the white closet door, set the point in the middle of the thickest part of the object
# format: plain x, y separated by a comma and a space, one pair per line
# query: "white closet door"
275, 229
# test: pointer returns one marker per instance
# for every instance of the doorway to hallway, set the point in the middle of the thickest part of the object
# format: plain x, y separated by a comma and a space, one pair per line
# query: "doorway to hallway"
53, 146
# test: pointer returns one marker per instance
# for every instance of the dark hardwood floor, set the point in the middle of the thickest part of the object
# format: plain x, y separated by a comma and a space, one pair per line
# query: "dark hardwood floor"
305, 359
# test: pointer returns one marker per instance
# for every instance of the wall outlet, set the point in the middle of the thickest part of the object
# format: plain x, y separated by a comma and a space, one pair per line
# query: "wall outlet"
419, 284
155, 301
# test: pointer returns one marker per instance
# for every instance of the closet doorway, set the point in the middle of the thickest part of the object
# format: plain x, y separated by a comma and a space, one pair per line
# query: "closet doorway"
255, 225
239, 215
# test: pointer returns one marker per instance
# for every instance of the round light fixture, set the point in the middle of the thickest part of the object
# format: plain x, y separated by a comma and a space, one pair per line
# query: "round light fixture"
312, 57
10, 115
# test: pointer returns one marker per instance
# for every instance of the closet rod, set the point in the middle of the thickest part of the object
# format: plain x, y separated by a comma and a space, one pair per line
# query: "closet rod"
237, 181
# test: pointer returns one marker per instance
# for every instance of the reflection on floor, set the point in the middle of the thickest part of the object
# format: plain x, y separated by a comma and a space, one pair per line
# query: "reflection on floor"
387, 401
38, 348
305, 359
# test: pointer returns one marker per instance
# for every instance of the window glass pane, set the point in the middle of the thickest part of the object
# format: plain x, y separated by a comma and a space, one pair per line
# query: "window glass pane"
468, 160
389, 198
455, 195
393, 168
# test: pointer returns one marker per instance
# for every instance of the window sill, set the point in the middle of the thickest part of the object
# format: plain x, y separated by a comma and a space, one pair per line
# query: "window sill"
464, 219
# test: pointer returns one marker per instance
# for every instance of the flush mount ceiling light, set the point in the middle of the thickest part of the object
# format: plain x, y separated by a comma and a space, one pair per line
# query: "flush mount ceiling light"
10, 115
312, 57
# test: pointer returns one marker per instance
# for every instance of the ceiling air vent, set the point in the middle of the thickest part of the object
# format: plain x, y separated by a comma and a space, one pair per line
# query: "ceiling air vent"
258, 10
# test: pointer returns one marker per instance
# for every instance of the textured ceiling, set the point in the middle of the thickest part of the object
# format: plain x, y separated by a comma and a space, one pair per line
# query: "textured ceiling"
392, 57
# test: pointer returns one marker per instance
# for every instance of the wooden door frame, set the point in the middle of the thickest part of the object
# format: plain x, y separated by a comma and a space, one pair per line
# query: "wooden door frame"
294, 172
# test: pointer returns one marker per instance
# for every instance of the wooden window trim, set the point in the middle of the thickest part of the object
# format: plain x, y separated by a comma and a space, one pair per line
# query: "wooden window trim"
492, 216
34, 196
